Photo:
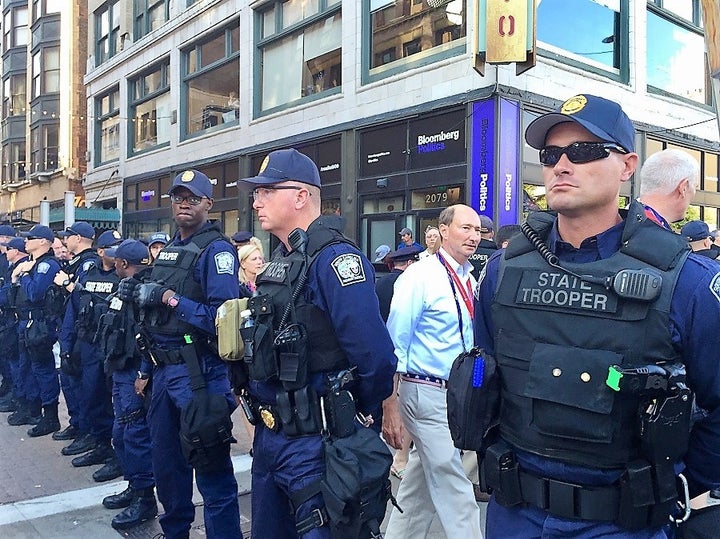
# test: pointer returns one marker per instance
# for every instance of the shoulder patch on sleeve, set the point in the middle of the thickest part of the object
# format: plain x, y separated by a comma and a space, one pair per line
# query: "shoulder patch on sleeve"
224, 263
43, 267
87, 265
715, 286
349, 269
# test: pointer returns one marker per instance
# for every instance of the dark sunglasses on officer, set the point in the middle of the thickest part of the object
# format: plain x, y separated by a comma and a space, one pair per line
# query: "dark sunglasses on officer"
579, 152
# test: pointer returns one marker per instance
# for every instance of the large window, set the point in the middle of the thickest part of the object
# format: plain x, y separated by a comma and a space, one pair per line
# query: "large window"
44, 147
50, 7
212, 81
107, 32
414, 32
593, 33
13, 156
46, 71
300, 51
15, 28
14, 96
149, 15
676, 61
107, 126
150, 107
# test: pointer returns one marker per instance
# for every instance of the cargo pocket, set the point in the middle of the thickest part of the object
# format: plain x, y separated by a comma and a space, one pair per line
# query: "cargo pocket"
570, 397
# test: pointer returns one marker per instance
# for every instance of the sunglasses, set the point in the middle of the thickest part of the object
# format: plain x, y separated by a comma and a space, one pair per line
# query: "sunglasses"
579, 152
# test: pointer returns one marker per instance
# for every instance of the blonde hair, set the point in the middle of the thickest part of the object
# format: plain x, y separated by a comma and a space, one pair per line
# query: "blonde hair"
243, 253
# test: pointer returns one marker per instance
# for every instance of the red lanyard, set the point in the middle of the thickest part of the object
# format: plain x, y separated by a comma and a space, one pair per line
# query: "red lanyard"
465, 291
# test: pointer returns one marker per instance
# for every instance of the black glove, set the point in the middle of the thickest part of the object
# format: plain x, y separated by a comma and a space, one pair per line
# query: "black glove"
69, 366
126, 288
149, 294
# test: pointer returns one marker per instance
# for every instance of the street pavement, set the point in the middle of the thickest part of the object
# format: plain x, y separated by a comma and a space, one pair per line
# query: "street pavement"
42, 496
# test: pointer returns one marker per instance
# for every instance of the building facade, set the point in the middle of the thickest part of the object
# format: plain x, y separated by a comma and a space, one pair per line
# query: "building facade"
382, 94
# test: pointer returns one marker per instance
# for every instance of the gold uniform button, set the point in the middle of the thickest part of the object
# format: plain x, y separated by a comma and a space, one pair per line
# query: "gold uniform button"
556, 372
585, 377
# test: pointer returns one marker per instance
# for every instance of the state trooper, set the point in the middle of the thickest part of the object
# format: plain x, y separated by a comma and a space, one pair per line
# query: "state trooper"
192, 276
35, 300
6, 234
78, 241
131, 434
156, 242
316, 315
19, 371
88, 302
595, 434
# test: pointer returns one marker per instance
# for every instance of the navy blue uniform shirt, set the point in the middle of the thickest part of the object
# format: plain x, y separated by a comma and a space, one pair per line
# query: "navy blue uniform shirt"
355, 315
694, 316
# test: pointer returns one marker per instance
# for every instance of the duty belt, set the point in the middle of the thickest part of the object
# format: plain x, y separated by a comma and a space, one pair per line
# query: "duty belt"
168, 357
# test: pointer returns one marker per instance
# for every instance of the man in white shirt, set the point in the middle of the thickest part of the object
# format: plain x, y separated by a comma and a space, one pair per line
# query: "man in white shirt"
430, 324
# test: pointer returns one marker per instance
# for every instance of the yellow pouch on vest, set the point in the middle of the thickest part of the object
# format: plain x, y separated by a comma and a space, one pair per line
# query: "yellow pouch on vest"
227, 326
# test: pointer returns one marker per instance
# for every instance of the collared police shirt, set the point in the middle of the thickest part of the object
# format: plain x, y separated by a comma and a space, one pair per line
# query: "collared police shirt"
694, 312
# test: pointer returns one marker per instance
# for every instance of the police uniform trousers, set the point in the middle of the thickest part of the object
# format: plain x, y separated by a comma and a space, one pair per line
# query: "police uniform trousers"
96, 398
171, 392
71, 387
434, 482
282, 466
527, 522
43, 382
19, 371
131, 434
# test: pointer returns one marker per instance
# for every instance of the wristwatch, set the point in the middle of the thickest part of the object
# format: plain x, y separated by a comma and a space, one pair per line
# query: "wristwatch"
66, 282
143, 375
173, 301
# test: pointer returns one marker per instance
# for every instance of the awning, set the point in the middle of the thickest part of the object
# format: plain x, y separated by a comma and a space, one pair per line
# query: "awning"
98, 218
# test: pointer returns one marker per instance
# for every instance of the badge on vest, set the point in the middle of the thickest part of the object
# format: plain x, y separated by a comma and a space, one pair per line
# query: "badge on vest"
558, 289
224, 263
349, 269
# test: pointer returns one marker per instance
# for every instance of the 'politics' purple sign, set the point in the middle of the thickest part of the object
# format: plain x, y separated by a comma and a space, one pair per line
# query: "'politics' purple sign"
508, 155
482, 157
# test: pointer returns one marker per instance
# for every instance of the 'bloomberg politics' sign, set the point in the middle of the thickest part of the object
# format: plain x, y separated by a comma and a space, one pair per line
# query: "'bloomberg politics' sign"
482, 157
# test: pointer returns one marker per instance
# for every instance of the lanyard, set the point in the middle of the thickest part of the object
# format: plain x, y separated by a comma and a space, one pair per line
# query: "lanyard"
465, 291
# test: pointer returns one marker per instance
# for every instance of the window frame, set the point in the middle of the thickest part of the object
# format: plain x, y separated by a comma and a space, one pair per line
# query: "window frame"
39, 71
142, 25
327, 9
112, 35
42, 146
9, 96
10, 31
143, 96
101, 117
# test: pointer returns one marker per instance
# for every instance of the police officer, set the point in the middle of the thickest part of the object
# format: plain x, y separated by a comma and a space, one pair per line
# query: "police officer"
34, 302
6, 234
192, 276
131, 434
594, 421
18, 372
486, 247
697, 233
400, 260
88, 302
156, 242
78, 241
319, 289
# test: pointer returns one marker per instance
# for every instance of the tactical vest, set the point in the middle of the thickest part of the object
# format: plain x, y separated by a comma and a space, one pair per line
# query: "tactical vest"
317, 348
19, 300
557, 335
92, 304
78, 261
117, 330
174, 268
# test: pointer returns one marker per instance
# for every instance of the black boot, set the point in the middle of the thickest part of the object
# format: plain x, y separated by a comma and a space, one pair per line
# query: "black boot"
5, 386
119, 501
110, 471
81, 444
26, 414
68, 433
49, 422
100, 455
142, 508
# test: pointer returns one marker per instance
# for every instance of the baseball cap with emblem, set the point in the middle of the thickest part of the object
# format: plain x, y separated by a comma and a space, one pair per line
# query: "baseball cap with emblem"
286, 165
39, 232
486, 224
159, 237
109, 238
195, 181
78, 228
603, 118
134, 251
7, 230
241, 236
695, 230
15, 243
404, 231
405, 253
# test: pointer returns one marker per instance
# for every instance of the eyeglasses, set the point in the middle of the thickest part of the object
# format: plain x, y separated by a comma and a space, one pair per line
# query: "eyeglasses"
261, 193
191, 199
579, 152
